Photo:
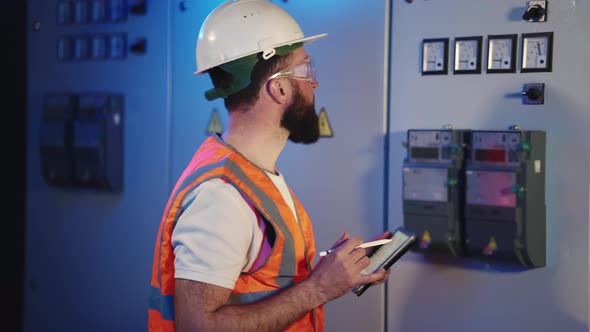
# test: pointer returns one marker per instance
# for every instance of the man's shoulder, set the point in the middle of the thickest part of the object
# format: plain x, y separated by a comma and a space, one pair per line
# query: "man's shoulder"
213, 186
216, 190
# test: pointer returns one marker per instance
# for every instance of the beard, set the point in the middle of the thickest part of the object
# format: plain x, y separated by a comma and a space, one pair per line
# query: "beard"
301, 120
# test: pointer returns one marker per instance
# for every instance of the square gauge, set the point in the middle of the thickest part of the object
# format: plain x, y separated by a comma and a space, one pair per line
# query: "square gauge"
435, 56
467, 55
502, 53
537, 52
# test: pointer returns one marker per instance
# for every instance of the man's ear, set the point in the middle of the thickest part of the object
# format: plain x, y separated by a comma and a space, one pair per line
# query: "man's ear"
279, 90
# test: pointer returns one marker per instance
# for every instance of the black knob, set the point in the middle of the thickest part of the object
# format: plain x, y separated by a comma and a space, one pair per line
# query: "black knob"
140, 46
533, 93
140, 8
534, 12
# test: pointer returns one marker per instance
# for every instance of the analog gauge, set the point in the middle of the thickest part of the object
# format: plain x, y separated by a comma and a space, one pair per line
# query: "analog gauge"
537, 49
434, 56
467, 55
502, 54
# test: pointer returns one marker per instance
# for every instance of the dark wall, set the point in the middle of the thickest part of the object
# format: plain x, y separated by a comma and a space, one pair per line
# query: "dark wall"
13, 157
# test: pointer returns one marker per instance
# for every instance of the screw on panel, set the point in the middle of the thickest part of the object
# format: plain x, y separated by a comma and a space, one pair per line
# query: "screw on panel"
184, 6
514, 127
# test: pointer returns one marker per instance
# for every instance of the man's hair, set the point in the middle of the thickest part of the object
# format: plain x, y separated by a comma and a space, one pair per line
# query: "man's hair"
248, 96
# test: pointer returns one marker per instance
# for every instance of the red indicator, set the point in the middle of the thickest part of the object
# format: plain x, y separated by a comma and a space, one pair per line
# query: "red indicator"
496, 156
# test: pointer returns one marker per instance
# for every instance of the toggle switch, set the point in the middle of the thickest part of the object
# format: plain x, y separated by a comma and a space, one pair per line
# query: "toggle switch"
117, 46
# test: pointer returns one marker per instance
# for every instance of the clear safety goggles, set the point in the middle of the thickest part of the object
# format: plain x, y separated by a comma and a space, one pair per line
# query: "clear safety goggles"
301, 70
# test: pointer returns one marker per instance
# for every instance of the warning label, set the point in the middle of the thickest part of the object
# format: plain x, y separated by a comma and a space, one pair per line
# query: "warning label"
491, 247
214, 126
325, 128
425, 241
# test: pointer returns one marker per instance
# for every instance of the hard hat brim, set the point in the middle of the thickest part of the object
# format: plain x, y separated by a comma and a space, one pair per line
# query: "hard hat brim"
305, 40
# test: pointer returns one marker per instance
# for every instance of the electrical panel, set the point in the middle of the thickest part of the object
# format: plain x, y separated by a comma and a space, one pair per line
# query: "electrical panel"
477, 193
81, 129
433, 182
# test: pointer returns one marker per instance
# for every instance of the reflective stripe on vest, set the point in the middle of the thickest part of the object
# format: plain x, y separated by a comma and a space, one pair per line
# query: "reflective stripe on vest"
292, 252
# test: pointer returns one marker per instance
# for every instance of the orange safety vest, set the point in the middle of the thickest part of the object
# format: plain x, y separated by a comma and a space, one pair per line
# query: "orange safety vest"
293, 249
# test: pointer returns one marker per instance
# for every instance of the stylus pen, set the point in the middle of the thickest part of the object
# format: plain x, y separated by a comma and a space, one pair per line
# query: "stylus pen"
364, 245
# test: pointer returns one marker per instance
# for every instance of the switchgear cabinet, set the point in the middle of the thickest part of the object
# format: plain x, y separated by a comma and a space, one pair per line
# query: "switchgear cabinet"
477, 193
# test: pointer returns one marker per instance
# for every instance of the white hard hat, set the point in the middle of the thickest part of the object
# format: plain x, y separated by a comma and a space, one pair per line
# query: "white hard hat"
238, 28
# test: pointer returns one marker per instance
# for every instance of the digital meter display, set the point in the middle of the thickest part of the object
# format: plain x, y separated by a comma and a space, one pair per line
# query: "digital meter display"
424, 152
490, 155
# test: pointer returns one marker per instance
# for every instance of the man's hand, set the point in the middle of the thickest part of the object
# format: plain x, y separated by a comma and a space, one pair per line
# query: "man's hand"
339, 272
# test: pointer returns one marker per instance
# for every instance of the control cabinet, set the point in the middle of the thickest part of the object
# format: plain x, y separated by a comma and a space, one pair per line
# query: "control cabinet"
433, 189
505, 197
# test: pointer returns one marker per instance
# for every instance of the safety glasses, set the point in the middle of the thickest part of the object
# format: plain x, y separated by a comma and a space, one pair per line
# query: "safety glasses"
301, 70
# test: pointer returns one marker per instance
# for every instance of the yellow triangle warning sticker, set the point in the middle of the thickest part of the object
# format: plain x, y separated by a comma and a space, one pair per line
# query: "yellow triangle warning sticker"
325, 128
491, 247
214, 126
426, 240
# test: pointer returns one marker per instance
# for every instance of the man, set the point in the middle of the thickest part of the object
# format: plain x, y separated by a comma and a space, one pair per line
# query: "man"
235, 249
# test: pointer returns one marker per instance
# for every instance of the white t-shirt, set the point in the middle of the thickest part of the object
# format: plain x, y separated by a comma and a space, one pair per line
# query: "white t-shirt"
218, 235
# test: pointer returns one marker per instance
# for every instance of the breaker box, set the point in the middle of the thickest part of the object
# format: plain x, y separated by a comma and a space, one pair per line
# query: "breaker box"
81, 141
505, 197
433, 189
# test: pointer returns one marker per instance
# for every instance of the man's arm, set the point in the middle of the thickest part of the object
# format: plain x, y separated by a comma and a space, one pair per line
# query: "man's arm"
203, 307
